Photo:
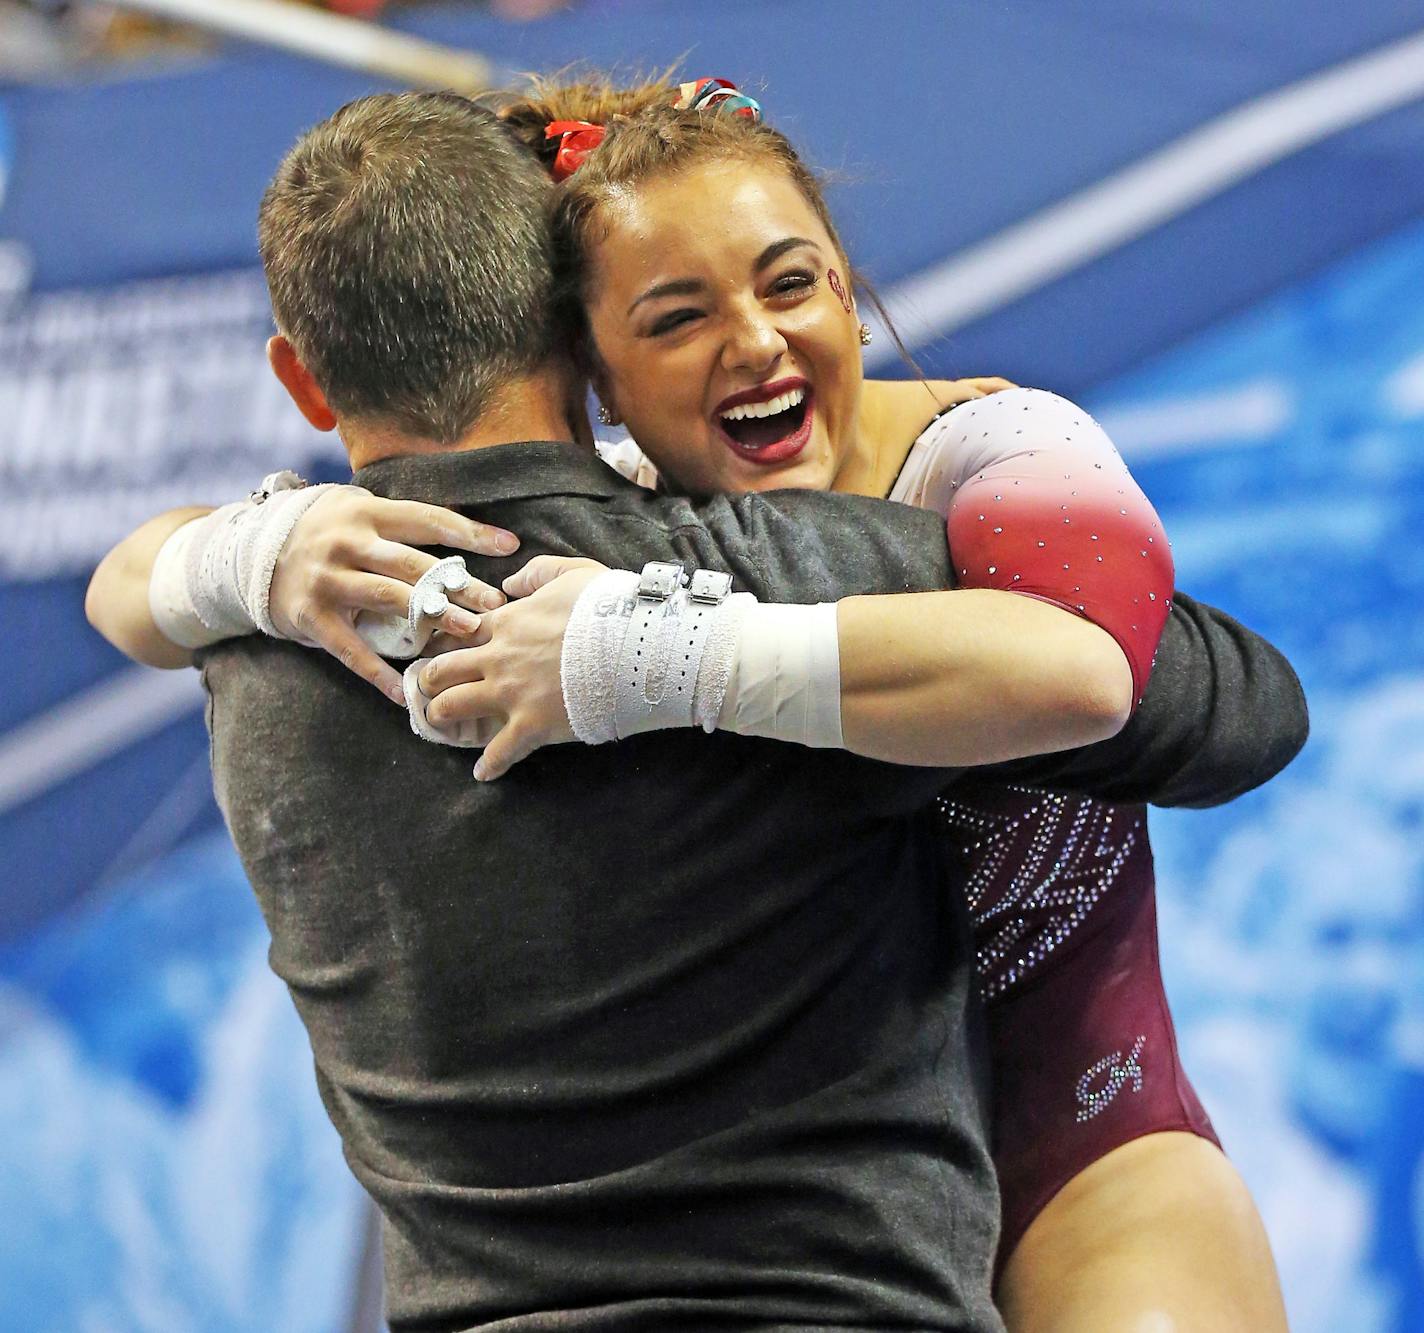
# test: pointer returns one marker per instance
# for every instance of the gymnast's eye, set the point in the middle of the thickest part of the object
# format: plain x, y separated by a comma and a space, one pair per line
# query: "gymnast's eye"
674, 319
794, 283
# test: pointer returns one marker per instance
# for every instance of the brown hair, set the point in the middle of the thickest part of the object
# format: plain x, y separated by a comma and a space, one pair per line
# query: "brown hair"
593, 98
647, 138
406, 246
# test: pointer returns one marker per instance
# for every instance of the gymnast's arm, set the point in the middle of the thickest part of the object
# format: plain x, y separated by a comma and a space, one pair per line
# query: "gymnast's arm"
1186, 743
116, 603
348, 552
1038, 502
1222, 714
963, 677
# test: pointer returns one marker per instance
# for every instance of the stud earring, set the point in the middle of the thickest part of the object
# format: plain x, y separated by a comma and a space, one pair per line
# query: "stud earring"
604, 415
865, 335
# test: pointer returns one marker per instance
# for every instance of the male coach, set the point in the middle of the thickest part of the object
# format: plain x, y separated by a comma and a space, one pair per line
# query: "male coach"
670, 1034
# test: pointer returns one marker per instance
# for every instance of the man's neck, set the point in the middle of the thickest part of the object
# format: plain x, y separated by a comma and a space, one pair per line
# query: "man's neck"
536, 408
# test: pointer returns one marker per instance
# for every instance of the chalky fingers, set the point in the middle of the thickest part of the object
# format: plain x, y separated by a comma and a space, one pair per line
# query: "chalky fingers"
457, 709
406, 564
463, 666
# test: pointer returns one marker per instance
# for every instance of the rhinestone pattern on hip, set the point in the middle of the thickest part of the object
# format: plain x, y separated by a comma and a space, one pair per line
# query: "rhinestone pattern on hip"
1036, 866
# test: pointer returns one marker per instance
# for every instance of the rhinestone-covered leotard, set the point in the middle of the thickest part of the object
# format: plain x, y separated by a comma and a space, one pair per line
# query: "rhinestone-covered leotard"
1060, 888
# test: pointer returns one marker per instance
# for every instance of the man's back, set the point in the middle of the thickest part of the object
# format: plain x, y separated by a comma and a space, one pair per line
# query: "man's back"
670, 1033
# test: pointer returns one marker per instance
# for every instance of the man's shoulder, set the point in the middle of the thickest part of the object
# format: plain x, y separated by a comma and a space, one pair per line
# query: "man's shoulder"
782, 545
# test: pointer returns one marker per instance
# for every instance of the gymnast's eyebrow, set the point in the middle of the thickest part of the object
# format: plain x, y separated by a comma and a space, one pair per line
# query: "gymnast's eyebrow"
776, 249
677, 287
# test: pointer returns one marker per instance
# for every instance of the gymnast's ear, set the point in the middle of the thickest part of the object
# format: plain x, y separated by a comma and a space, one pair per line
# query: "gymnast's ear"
298, 382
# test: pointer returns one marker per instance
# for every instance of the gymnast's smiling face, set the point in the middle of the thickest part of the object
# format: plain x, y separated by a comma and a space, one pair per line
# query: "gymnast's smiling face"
723, 334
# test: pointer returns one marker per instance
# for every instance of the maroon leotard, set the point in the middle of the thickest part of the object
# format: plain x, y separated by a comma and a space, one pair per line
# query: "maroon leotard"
1082, 1047
1061, 888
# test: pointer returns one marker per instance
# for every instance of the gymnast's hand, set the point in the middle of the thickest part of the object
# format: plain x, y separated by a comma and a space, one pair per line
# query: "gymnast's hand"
507, 687
353, 551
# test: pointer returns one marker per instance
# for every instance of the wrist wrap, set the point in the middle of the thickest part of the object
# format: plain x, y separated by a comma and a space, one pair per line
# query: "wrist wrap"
212, 579
644, 652
636, 652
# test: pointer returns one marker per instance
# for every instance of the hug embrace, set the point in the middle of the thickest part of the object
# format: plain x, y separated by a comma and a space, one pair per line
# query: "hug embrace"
792, 962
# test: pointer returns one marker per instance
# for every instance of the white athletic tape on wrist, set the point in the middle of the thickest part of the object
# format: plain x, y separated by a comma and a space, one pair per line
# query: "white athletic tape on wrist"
786, 676
758, 670
169, 601
473, 735
405, 636
212, 578
282, 499
214, 572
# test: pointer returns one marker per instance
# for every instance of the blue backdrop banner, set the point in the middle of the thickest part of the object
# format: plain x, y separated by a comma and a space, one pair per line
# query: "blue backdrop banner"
1257, 350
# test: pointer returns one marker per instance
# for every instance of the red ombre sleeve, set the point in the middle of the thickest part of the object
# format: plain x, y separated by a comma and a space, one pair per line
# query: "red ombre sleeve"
1039, 502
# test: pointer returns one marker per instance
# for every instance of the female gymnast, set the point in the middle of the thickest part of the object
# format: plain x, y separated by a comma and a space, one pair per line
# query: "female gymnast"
733, 355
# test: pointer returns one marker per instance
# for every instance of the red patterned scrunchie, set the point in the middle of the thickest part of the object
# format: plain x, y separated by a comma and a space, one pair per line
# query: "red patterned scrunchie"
578, 138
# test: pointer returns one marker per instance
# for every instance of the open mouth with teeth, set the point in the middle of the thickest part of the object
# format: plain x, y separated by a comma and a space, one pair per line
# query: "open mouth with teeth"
772, 430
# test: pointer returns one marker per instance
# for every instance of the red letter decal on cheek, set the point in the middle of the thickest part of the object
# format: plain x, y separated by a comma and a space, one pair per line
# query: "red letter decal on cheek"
834, 279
